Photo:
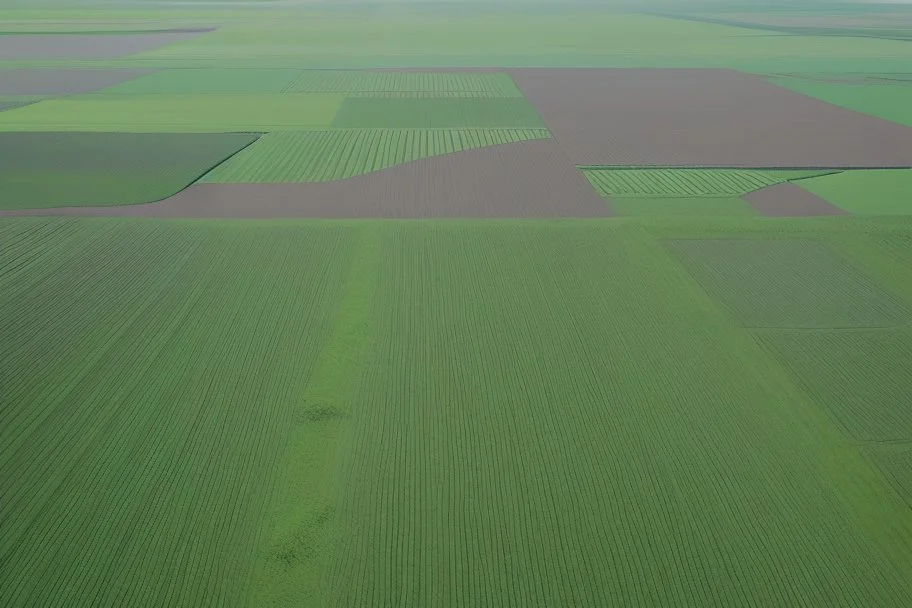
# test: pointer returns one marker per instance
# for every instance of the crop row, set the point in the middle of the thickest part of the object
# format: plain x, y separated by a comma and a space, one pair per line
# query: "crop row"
316, 156
536, 426
793, 283
148, 389
685, 182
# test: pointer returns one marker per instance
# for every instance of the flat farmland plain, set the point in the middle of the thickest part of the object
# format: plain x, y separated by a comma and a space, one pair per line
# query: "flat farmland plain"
514, 305
304, 397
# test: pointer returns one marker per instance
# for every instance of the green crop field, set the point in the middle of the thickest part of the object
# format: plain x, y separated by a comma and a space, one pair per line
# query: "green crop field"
795, 283
637, 387
889, 101
74, 169
404, 83
862, 376
872, 192
445, 113
175, 113
686, 182
319, 156
194, 82
303, 396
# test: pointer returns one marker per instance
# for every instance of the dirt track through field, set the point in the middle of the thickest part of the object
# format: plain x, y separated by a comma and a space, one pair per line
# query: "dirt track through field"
524, 179
16, 47
789, 200
66, 81
703, 117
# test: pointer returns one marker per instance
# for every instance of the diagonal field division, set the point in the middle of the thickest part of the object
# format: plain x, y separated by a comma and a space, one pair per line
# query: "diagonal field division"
523, 179
703, 117
788, 283
49, 81
863, 378
790, 200
63, 169
321, 156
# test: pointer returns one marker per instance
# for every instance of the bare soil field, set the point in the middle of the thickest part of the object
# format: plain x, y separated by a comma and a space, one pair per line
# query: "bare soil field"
17, 47
525, 179
789, 200
42, 81
703, 117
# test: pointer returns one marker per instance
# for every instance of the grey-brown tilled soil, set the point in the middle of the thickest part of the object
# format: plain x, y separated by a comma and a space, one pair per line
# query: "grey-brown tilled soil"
64, 82
789, 200
525, 179
15, 47
703, 117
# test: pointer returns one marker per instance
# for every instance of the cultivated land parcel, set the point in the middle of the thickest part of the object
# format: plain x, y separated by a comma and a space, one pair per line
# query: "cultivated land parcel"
450, 304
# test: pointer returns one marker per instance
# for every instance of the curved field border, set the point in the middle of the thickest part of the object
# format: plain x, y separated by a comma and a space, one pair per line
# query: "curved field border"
523, 179
42, 170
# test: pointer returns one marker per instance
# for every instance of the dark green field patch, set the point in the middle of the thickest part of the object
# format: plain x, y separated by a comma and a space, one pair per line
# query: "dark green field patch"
39, 170
864, 378
214, 80
437, 113
12, 105
692, 206
788, 283
897, 467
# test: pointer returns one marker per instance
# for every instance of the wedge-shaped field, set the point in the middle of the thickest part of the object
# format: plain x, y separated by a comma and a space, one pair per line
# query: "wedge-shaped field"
893, 103
321, 156
190, 81
794, 283
61, 169
150, 378
437, 114
423, 413
48, 81
686, 182
352, 82
175, 113
870, 192
670, 206
864, 378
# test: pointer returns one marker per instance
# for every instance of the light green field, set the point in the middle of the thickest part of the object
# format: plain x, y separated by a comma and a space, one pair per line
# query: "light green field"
193, 82
175, 113
446, 113
788, 283
404, 83
891, 102
870, 192
668, 182
321, 156
352, 413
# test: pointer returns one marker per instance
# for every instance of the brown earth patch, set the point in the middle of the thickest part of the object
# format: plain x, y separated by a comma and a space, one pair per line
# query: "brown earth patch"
703, 117
15, 47
524, 179
789, 200
64, 82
